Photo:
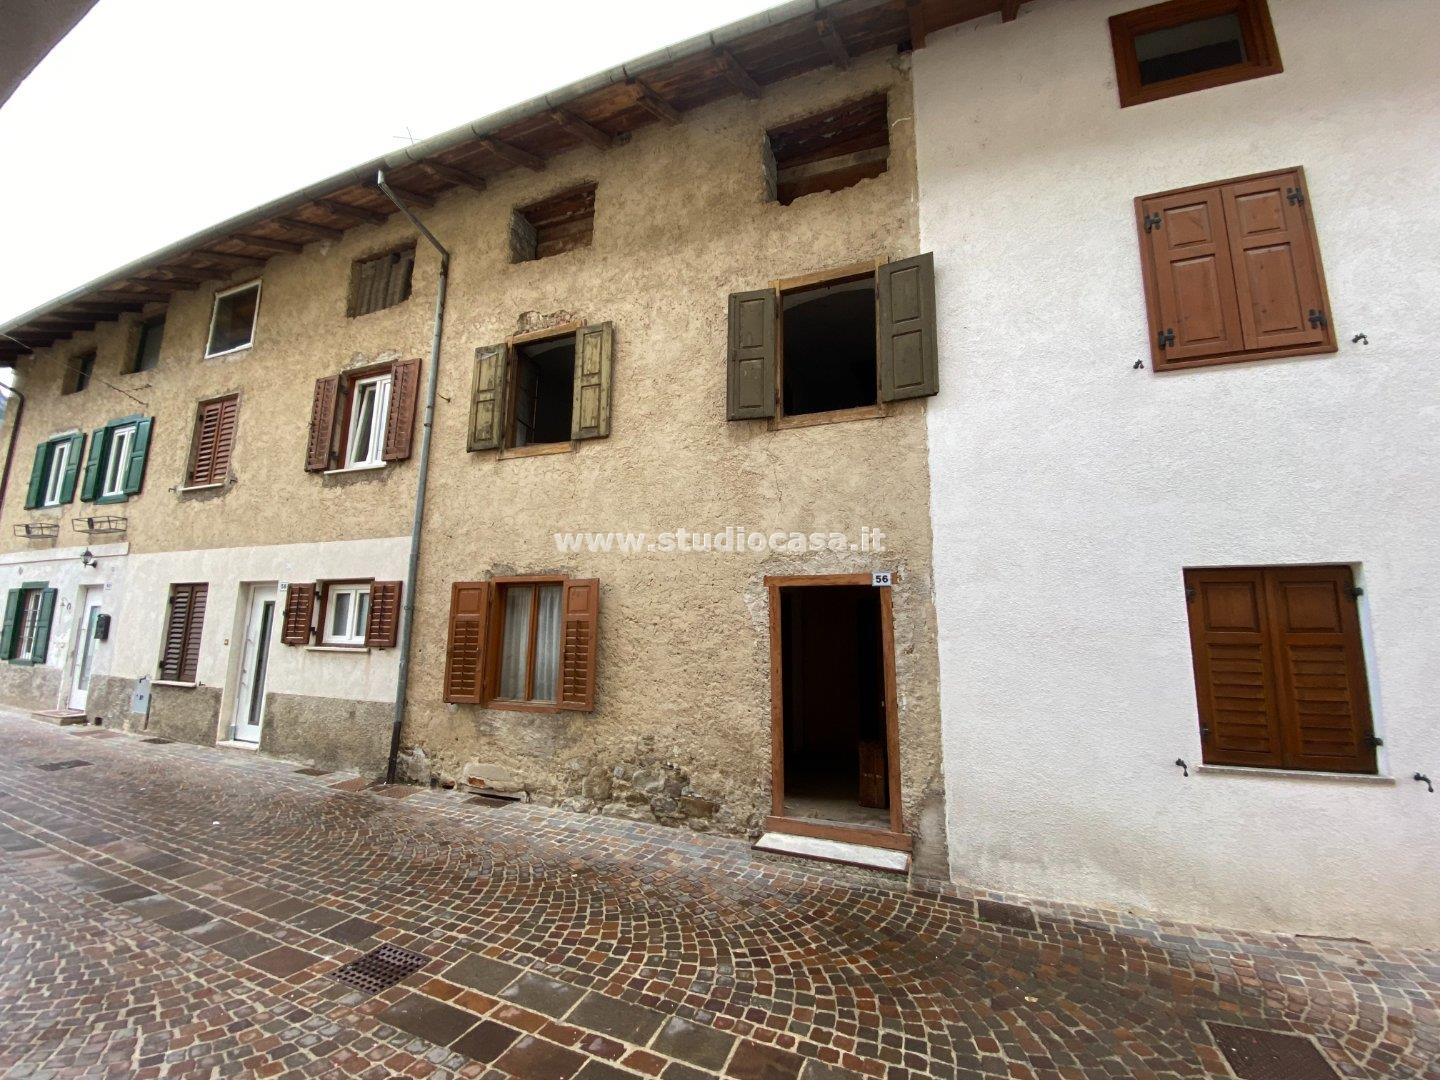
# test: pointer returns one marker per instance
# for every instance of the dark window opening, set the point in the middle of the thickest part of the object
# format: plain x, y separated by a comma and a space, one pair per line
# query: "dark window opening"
147, 349
1190, 48
544, 382
560, 223
381, 281
1181, 46
828, 347
232, 324
830, 151
78, 372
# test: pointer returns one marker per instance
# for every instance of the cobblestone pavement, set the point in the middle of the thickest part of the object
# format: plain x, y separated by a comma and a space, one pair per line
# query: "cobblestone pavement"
168, 910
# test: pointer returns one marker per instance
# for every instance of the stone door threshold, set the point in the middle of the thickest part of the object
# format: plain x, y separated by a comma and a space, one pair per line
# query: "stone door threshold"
837, 851
62, 717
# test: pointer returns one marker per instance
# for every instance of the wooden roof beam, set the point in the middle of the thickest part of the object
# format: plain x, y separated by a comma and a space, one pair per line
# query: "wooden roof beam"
453, 175
226, 256
180, 277
915, 13
513, 154
324, 232
102, 308
132, 297
738, 76
1009, 10
413, 198
653, 103
353, 212
581, 129
833, 42
62, 324
287, 247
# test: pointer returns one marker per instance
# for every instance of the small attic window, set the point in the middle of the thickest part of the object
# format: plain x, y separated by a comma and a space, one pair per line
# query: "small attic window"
562, 222
829, 151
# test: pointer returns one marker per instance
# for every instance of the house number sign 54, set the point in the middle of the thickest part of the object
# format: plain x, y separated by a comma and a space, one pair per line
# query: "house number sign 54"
881, 579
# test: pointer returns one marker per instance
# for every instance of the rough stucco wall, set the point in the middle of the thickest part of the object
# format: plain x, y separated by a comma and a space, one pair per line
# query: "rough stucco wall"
183, 713
1070, 491
334, 733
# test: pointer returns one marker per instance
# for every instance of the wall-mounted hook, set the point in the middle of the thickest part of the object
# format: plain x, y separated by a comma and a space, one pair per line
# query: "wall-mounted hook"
1180, 761
1421, 778
1137, 365
1359, 339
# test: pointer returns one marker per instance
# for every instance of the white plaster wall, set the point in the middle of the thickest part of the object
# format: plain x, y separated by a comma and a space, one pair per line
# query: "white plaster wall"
1069, 490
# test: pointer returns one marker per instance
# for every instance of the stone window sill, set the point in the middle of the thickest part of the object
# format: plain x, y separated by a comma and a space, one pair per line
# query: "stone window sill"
184, 488
338, 648
1294, 774
356, 468
172, 682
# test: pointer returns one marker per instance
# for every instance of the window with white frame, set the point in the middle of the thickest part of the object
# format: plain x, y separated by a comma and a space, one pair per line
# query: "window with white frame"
117, 460
369, 412
232, 320
58, 462
347, 612
29, 622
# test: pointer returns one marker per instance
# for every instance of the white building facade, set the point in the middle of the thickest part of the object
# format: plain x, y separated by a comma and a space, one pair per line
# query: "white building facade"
1112, 513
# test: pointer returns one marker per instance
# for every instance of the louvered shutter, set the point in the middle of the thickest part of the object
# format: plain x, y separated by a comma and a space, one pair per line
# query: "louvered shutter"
905, 323
322, 423
397, 282
43, 618
465, 644
382, 627
90, 486
139, 454
1193, 277
180, 653
594, 359
1234, 671
487, 397
579, 641
524, 239
1277, 269
72, 468
400, 424
35, 494
213, 441
1324, 699
299, 611
13, 599
750, 362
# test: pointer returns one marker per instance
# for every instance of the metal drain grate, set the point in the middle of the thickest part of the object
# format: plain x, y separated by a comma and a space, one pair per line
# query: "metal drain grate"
1021, 918
158, 741
381, 968
56, 766
307, 771
1270, 1055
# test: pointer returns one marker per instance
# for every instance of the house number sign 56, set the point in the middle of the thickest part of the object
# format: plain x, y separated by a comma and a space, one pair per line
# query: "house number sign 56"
880, 579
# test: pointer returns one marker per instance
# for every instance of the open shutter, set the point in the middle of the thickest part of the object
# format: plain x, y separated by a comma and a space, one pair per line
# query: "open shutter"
590, 410
36, 492
524, 239
72, 468
905, 323
400, 424
172, 651
43, 618
750, 363
487, 398
299, 610
1234, 670
465, 645
12, 617
90, 487
382, 626
1277, 269
1188, 255
194, 627
1323, 696
139, 453
322, 423
579, 638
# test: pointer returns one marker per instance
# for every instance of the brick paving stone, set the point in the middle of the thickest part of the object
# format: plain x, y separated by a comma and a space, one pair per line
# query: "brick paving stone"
482, 973
428, 1018
694, 1043
541, 994
486, 1041
632, 1023
536, 1059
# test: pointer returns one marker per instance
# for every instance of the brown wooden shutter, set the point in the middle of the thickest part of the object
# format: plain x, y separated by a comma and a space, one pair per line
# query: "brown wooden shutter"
487, 397
579, 640
594, 359
905, 322
400, 425
1323, 695
465, 646
1277, 269
1234, 672
184, 623
299, 611
382, 627
322, 423
213, 441
1187, 256
750, 365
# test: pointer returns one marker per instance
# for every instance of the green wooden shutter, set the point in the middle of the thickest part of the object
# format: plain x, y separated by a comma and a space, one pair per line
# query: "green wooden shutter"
139, 451
36, 491
12, 613
594, 353
487, 398
42, 625
905, 321
72, 467
750, 366
90, 488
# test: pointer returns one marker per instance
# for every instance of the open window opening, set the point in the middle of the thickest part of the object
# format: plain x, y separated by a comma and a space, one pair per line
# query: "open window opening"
369, 414
832, 662
828, 360
147, 344
829, 151
232, 321
78, 371
1181, 46
363, 419
543, 381
562, 222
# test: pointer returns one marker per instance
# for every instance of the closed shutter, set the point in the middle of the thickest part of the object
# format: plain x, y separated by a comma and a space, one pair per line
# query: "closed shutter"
13, 599
524, 239
487, 398
401, 266
400, 424
213, 441
43, 618
579, 640
35, 494
90, 487
750, 361
322, 423
1324, 699
185, 621
299, 610
1188, 250
382, 627
594, 359
905, 323
1277, 275
139, 454
72, 468
465, 644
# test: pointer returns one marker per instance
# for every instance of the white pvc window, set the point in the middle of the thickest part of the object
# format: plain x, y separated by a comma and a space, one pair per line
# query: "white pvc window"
29, 623
369, 413
55, 476
347, 611
117, 461
232, 320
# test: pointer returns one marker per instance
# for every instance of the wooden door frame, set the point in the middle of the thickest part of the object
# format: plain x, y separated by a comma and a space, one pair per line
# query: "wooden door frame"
894, 837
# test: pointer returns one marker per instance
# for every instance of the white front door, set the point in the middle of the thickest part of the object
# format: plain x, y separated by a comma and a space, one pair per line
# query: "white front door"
85, 647
250, 690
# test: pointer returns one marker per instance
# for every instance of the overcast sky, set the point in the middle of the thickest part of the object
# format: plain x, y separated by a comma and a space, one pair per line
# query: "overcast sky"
156, 118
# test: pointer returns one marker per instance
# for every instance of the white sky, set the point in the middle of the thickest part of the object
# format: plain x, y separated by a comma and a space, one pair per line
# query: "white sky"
156, 118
